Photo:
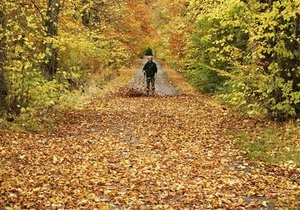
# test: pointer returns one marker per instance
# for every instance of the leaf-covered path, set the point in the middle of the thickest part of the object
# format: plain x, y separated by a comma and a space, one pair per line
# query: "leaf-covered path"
119, 152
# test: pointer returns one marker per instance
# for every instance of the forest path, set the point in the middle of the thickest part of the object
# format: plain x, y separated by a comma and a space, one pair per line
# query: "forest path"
123, 152
163, 86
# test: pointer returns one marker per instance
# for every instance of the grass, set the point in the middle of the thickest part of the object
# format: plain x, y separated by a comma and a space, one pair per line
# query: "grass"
179, 81
272, 145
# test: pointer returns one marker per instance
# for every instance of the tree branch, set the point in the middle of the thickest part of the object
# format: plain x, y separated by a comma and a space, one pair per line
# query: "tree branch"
38, 9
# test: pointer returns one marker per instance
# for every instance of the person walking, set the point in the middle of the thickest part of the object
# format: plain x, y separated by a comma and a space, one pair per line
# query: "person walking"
150, 70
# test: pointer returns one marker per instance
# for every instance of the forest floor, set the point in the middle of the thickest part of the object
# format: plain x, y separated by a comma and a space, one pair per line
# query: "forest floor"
124, 150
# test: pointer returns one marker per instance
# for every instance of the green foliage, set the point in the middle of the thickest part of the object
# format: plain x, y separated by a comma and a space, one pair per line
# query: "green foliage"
219, 41
148, 51
271, 76
23, 72
205, 80
272, 146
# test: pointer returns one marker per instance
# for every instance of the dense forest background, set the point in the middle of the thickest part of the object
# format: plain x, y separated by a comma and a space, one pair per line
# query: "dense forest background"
51, 48
245, 52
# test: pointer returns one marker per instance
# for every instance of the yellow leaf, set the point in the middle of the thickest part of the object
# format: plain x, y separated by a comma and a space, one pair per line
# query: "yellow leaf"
105, 207
264, 203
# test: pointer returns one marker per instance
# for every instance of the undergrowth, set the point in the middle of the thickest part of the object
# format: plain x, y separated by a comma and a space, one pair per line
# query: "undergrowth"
278, 145
39, 120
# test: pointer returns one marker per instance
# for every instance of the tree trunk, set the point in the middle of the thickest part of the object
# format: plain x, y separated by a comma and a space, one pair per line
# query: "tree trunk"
86, 14
297, 32
297, 55
3, 87
51, 63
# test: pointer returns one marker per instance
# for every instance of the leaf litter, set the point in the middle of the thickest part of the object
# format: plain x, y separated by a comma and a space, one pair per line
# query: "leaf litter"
120, 152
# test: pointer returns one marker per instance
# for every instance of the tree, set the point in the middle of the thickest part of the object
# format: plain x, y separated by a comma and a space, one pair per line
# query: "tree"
254, 44
46, 44
86, 14
3, 88
148, 52
276, 38
50, 65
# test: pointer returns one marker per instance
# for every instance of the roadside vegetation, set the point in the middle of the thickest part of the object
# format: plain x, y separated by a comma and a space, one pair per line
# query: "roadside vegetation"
246, 55
53, 51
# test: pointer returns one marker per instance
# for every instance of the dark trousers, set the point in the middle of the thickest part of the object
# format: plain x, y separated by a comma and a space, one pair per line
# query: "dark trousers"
150, 84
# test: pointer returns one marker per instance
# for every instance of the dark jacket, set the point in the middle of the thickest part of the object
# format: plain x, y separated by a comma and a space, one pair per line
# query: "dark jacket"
150, 69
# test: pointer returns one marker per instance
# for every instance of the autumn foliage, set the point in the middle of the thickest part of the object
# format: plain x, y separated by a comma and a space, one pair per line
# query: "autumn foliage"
254, 44
50, 47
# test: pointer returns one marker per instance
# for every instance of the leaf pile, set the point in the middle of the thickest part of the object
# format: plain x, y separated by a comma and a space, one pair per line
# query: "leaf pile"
131, 92
139, 153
